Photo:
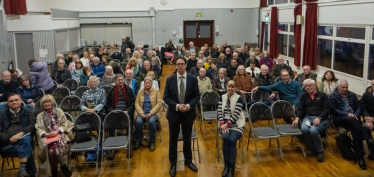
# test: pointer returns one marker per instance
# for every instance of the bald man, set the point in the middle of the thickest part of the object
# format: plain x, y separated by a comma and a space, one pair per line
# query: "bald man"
346, 112
196, 70
7, 86
307, 74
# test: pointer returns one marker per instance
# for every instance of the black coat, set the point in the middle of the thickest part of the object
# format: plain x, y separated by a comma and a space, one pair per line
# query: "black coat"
7, 89
223, 64
117, 56
319, 106
231, 71
130, 100
194, 71
337, 104
367, 102
244, 56
36, 94
190, 64
127, 44
212, 73
65, 75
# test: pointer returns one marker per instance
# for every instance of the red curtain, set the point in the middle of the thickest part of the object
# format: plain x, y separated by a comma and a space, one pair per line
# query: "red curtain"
262, 36
310, 41
297, 35
15, 7
310, 0
274, 33
298, 1
263, 3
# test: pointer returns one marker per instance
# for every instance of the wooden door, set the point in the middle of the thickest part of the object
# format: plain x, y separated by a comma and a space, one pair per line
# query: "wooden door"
199, 32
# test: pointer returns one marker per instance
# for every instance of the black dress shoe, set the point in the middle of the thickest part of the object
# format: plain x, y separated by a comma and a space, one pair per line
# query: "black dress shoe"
231, 171
361, 163
173, 170
191, 166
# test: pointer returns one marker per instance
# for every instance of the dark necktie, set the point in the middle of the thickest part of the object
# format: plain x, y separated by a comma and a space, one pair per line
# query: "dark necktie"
253, 73
182, 90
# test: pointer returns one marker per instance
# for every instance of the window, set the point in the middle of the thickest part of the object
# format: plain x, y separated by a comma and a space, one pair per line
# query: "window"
324, 52
266, 37
282, 27
348, 32
371, 62
286, 42
349, 54
325, 30
273, 2
281, 1
291, 46
291, 28
282, 44
372, 35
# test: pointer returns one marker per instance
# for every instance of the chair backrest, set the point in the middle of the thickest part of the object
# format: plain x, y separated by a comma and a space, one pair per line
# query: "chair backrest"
282, 109
117, 120
115, 60
259, 111
278, 79
107, 89
70, 103
69, 117
71, 84
43, 91
60, 93
123, 65
55, 85
209, 98
80, 90
243, 99
259, 94
92, 118
37, 109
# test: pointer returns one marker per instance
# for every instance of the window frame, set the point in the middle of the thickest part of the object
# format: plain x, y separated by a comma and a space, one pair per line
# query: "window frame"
288, 33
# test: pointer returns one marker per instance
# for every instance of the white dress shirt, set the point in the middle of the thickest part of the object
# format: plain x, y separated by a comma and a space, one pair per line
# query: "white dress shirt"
184, 80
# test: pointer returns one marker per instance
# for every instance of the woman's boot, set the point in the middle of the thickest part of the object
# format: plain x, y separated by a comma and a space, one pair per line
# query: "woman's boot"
231, 171
226, 169
65, 170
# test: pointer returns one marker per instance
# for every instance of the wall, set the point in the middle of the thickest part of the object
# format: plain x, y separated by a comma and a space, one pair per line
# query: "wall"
135, 5
235, 27
3, 59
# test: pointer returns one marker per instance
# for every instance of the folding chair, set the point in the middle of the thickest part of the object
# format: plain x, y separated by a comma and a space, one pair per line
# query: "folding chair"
277, 79
71, 105
43, 91
60, 93
80, 90
116, 60
93, 145
261, 112
37, 109
208, 99
282, 109
107, 89
71, 84
259, 94
54, 86
219, 135
193, 138
113, 121
68, 116
245, 110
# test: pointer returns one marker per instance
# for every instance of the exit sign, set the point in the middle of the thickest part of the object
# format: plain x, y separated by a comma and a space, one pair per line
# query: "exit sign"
199, 14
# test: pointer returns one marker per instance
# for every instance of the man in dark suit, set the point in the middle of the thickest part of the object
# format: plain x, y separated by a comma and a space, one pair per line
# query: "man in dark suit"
181, 111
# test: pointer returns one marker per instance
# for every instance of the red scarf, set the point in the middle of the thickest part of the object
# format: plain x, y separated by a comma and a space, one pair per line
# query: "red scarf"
116, 95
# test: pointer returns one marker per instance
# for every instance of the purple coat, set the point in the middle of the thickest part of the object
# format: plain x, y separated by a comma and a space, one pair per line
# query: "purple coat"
40, 77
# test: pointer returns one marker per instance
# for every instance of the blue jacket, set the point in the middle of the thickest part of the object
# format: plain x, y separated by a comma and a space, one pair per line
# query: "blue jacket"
135, 87
337, 104
288, 92
40, 77
36, 94
27, 120
99, 70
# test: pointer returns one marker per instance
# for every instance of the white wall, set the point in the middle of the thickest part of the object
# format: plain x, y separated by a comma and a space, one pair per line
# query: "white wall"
134, 5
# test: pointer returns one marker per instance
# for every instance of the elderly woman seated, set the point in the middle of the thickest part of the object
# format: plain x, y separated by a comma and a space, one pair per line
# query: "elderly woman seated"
219, 84
145, 69
243, 81
231, 126
147, 110
108, 78
49, 124
97, 67
133, 65
94, 99
154, 82
30, 94
86, 73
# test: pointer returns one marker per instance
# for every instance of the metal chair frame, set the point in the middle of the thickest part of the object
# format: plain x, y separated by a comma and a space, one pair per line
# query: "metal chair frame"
203, 117
193, 138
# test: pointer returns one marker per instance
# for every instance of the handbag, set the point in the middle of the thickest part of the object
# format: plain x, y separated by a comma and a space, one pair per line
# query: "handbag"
82, 133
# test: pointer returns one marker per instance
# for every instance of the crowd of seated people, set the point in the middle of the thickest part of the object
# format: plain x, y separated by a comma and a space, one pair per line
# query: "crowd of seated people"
136, 92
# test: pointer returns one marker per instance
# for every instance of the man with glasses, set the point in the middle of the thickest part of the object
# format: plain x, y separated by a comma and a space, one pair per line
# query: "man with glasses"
313, 110
231, 70
289, 90
181, 95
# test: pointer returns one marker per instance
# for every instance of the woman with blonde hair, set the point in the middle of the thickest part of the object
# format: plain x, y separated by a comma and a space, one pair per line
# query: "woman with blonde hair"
222, 62
208, 62
133, 65
108, 77
49, 124
200, 56
139, 60
243, 81
151, 74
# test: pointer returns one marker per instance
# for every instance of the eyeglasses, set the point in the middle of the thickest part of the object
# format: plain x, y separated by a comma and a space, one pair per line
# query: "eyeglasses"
180, 64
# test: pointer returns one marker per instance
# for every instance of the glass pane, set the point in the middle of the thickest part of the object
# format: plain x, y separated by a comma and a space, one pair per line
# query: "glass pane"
281, 1
204, 31
283, 27
325, 30
372, 34
291, 47
324, 52
282, 44
266, 38
292, 1
371, 62
270, 2
291, 28
191, 31
349, 57
348, 32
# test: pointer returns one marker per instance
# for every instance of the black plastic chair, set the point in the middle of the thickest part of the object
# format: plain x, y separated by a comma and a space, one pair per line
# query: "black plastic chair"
71, 84
107, 89
123, 65
60, 93
116, 120
54, 86
37, 109
71, 105
68, 117
91, 145
80, 90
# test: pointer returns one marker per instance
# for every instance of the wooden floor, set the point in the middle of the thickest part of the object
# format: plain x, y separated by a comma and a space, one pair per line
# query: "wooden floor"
156, 164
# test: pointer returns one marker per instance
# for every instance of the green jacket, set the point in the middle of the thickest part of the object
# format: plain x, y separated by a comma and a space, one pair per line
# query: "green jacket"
276, 72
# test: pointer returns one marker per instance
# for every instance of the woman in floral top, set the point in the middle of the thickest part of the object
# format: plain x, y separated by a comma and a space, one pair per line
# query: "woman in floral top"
94, 99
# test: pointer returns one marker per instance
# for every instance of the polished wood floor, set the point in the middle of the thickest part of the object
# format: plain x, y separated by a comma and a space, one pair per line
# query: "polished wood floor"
145, 163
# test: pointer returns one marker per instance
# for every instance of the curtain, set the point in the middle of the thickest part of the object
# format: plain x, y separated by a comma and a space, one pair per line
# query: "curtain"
310, 41
298, 1
310, 0
274, 33
297, 35
263, 3
15, 7
262, 36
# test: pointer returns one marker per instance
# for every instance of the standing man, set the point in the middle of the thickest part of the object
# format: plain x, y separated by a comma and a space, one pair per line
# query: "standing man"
181, 111
126, 43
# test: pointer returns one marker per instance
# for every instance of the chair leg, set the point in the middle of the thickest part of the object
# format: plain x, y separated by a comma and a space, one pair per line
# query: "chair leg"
280, 150
328, 141
198, 149
102, 162
302, 148
202, 122
128, 161
241, 142
2, 165
258, 159
292, 139
7, 160
269, 143
13, 162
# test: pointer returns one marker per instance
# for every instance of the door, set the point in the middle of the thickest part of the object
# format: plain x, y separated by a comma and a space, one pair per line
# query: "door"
24, 51
199, 32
